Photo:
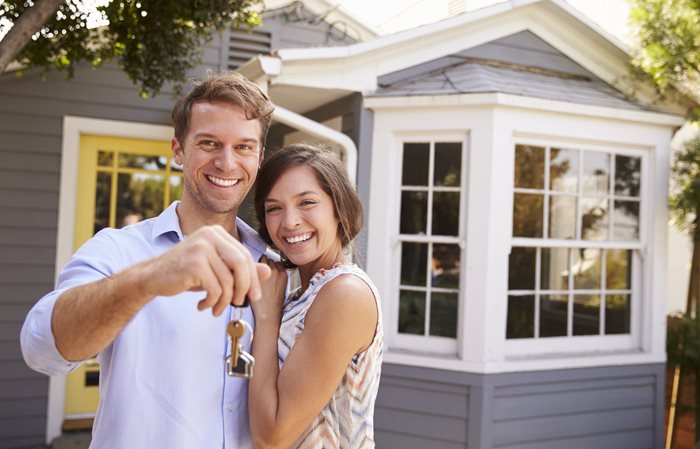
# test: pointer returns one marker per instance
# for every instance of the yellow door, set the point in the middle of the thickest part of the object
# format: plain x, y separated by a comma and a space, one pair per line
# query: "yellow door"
120, 181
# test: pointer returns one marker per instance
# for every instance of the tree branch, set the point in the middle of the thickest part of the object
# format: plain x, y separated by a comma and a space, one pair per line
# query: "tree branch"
26, 25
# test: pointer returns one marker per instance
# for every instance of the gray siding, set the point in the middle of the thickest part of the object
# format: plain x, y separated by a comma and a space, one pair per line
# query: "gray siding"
602, 408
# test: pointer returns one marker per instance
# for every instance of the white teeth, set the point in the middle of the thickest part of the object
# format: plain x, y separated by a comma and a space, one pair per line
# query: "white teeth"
299, 238
222, 182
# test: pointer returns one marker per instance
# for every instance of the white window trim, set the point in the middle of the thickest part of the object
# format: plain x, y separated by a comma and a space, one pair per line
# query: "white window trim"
556, 346
73, 128
405, 343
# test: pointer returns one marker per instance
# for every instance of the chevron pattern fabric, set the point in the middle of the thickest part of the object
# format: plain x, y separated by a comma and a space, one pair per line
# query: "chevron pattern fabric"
347, 421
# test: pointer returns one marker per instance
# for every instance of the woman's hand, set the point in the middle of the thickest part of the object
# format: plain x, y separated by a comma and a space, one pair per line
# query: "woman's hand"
273, 292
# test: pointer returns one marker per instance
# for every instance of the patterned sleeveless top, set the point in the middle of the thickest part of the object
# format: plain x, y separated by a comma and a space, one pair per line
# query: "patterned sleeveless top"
347, 421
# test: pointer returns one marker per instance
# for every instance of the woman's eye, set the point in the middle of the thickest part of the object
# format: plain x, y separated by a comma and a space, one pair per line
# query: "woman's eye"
308, 202
271, 209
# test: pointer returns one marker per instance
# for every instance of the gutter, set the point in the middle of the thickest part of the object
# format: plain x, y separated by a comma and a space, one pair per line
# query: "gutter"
316, 129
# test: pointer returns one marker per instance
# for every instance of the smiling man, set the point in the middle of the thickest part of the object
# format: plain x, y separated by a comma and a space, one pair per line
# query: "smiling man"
134, 296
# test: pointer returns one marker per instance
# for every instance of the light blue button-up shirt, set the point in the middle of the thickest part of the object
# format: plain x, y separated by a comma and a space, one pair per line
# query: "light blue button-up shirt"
163, 382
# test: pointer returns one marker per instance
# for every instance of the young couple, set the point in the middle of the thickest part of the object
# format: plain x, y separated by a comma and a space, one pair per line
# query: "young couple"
136, 296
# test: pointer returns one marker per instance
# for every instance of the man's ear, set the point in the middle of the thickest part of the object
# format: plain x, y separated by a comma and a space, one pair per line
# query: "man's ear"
177, 150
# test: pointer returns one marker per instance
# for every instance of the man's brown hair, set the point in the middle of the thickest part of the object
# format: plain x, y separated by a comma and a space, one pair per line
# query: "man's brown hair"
226, 87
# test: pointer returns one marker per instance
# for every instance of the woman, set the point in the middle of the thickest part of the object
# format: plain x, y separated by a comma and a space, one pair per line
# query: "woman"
318, 361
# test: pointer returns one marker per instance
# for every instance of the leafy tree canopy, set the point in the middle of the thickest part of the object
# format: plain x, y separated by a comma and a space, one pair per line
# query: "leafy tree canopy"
153, 41
668, 44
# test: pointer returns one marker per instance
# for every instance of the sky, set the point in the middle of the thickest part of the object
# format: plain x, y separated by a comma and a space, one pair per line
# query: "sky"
611, 15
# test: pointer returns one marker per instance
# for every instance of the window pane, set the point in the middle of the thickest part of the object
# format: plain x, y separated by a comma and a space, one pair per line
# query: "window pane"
445, 266
528, 215
143, 162
412, 312
586, 269
414, 212
555, 269
586, 315
414, 263
416, 159
553, 313
443, 315
521, 317
529, 167
562, 217
139, 196
628, 175
626, 221
563, 170
617, 314
521, 269
102, 194
594, 218
445, 213
105, 158
618, 269
596, 172
448, 164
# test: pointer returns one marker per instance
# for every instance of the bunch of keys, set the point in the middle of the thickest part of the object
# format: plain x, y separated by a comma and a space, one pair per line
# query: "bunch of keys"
239, 363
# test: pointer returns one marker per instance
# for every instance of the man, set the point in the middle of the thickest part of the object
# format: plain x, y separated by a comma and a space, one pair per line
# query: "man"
135, 296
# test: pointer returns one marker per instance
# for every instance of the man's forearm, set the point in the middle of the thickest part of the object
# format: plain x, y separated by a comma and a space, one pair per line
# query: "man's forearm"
86, 319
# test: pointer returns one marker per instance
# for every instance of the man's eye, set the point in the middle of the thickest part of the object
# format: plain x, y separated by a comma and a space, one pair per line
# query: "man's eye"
207, 143
246, 147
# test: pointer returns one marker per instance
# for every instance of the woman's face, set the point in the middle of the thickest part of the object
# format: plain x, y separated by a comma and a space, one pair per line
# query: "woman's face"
301, 219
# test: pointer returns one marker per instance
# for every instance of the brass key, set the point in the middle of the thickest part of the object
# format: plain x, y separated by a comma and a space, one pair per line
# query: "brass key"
236, 331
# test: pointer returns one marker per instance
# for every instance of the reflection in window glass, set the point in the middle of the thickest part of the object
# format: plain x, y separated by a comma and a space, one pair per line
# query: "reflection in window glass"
626, 221
586, 315
528, 215
596, 172
594, 219
448, 164
445, 213
445, 266
529, 167
521, 268
443, 315
102, 194
586, 269
562, 217
416, 161
105, 158
521, 317
414, 212
143, 162
563, 170
617, 314
139, 196
414, 263
628, 175
554, 269
411, 312
553, 315
618, 266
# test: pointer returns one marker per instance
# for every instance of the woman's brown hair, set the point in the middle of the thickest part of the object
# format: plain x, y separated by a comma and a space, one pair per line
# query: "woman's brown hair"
331, 176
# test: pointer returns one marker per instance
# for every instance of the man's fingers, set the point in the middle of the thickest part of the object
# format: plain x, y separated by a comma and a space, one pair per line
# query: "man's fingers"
264, 271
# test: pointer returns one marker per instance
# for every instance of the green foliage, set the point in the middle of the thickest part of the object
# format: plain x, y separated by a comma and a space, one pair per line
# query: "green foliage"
683, 342
668, 41
153, 41
685, 200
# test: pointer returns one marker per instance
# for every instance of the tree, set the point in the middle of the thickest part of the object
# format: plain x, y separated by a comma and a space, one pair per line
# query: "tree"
668, 52
153, 41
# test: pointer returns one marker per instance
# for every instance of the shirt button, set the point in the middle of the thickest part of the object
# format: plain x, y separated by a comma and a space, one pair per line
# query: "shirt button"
229, 407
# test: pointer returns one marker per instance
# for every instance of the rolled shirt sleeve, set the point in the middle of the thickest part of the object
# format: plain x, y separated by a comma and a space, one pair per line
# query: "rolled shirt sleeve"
95, 260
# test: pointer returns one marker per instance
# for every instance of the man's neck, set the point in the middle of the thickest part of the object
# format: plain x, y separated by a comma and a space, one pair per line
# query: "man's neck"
192, 218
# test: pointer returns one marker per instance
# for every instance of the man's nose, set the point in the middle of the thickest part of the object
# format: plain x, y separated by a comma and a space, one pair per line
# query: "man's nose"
226, 160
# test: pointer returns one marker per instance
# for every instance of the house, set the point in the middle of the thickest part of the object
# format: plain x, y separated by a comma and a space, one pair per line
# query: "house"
515, 181
77, 155
515, 184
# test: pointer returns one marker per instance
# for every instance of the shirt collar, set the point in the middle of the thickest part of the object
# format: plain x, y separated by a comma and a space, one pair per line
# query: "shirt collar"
168, 221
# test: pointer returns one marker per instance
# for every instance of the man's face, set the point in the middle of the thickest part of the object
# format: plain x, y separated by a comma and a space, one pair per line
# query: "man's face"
220, 156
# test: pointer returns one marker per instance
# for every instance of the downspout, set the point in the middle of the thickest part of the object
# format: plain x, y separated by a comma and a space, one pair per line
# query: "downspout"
316, 129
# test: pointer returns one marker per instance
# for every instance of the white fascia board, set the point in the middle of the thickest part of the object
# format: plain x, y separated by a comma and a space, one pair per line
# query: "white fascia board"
261, 67
501, 99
